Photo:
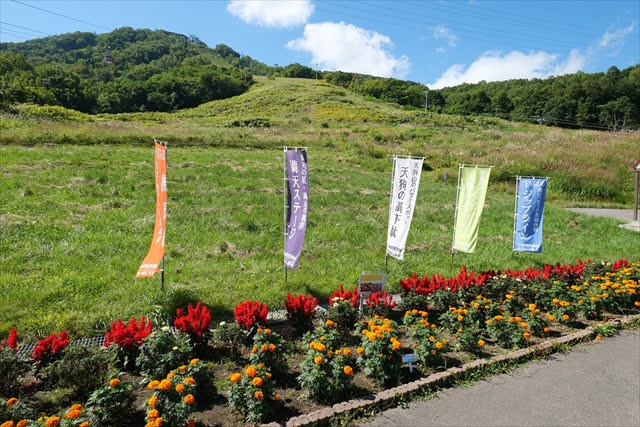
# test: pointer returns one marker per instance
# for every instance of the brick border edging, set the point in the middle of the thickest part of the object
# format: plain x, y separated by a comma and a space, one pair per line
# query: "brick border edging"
386, 396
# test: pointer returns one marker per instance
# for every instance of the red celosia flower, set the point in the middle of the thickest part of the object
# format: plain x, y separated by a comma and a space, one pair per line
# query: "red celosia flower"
426, 285
49, 346
301, 305
195, 322
248, 313
621, 263
129, 335
351, 297
12, 340
380, 299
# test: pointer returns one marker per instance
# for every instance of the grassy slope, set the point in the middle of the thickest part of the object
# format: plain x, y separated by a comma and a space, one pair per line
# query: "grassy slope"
76, 221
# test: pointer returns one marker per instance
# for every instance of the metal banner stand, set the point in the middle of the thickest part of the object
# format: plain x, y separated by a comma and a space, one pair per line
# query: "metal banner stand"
455, 215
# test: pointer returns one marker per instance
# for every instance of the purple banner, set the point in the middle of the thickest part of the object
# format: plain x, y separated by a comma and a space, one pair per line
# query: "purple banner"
298, 202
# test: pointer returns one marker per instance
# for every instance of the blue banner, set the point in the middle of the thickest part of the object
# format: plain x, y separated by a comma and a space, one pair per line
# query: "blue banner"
527, 236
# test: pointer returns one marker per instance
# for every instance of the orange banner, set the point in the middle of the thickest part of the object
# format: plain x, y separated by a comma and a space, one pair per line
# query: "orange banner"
152, 263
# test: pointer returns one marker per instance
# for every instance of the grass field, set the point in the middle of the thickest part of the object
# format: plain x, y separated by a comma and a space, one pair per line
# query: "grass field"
77, 201
77, 221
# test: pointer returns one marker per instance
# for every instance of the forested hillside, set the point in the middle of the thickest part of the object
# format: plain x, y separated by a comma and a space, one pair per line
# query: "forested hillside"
123, 71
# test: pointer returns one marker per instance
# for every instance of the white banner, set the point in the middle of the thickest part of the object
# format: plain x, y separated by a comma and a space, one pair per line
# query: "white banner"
406, 178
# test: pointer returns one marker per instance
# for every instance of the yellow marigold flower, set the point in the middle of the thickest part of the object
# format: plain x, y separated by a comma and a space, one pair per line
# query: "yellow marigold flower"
115, 382
348, 370
439, 345
190, 380
508, 296
523, 324
424, 314
170, 375
555, 301
267, 331
371, 336
153, 414
476, 305
12, 401
481, 343
153, 384
272, 347
52, 421
194, 361
321, 347
551, 317
565, 317
527, 334
153, 401
158, 422
180, 388
414, 311
488, 321
330, 323
317, 360
532, 307
460, 318
182, 368
149, 424
276, 396
432, 338
407, 313
189, 399
459, 330
268, 374
396, 345
264, 348
261, 365
499, 317
257, 382
347, 351
164, 385
322, 338
251, 371
359, 350
258, 395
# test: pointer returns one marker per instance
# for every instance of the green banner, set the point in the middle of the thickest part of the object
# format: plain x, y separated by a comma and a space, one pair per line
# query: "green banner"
471, 194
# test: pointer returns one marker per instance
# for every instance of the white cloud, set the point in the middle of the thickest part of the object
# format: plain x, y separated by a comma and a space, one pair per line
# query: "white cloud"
614, 38
272, 13
442, 32
345, 47
494, 66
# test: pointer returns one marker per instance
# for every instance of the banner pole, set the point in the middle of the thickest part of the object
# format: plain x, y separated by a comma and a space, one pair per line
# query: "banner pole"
515, 211
284, 196
166, 159
455, 215
393, 172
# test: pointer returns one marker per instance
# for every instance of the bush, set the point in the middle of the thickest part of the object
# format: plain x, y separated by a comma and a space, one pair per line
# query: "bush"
424, 336
250, 313
163, 350
269, 349
229, 336
80, 369
128, 339
195, 323
301, 311
12, 371
381, 354
112, 404
17, 410
343, 315
252, 394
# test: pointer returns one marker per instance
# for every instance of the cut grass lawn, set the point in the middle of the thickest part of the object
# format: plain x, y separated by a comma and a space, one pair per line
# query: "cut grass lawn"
76, 222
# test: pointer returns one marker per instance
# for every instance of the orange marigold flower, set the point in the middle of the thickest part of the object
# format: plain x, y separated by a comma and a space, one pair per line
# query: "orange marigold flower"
52, 421
359, 350
234, 378
190, 380
260, 330
523, 324
481, 343
317, 360
153, 401
257, 381
182, 368
158, 422
330, 323
170, 375
12, 401
115, 382
73, 414
180, 388
189, 399
432, 338
268, 374
251, 371
439, 345
276, 396
149, 424
264, 347
460, 318
320, 347
258, 395
347, 351
348, 370
24, 423
7, 424
499, 317
254, 350
371, 336
565, 317
396, 345
637, 303
272, 347
546, 330
164, 385
153, 384
76, 407
153, 414
551, 317
267, 331
433, 352
194, 361
527, 335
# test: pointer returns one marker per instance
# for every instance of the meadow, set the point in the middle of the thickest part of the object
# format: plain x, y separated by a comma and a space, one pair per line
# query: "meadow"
77, 201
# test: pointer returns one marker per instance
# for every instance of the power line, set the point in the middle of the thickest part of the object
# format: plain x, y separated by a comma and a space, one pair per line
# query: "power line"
59, 14
14, 35
25, 28
30, 36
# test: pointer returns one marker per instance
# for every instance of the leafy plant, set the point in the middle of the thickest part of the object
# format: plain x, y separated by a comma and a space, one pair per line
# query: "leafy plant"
195, 323
162, 350
112, 404
127, 339
49, 349
301, 311
252, 394
250, 313
269, 349
381, 357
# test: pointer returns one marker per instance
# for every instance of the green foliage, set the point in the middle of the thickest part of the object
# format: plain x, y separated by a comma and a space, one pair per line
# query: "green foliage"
252, 394
112, 405
327, 373
344, 315
270, 349
382, 356
229, 336
12, 371
162, 350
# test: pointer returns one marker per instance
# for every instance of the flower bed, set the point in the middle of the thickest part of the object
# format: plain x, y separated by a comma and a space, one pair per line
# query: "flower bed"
250, 372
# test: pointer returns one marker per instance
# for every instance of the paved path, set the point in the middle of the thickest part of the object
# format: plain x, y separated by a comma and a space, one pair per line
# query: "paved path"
595, 384
622, 214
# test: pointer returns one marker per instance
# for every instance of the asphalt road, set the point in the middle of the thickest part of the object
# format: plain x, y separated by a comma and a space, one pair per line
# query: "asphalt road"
595, 384
622, 214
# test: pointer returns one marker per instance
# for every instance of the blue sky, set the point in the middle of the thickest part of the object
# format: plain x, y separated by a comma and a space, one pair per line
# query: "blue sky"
439, 43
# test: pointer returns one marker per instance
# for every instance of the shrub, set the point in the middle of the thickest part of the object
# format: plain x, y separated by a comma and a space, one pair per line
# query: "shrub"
252, 394
250, 313
508, 332
269, 349
162, 350
343, 315
12, 371
80, 369
14, 409
380, 303
381, 354
50, 349
229, 336
128, 339
424, 336
112, 404
195, 322
301, 311
412, 300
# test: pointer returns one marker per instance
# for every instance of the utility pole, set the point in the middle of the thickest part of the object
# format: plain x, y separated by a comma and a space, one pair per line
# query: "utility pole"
426, 98
316, 71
